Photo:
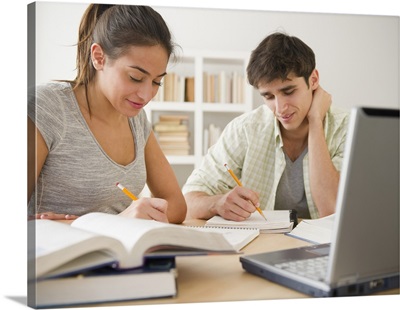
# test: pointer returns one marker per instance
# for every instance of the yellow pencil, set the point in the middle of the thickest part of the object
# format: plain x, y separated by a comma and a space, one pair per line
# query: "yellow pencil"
240, 184
126, 191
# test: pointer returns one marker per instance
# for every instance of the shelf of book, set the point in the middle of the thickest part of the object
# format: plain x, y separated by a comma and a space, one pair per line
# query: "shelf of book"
211, 89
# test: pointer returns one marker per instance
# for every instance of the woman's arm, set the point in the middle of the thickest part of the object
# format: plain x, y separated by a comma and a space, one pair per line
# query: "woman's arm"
37, 154
162, 181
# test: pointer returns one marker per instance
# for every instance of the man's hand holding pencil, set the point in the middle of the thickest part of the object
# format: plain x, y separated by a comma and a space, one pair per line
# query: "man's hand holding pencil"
256, 205
237, 204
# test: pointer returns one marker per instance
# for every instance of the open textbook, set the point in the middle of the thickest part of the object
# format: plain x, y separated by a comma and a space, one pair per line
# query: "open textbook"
99, 239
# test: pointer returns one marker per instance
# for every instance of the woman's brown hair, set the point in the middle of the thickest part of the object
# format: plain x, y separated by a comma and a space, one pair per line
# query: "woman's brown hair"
116, 28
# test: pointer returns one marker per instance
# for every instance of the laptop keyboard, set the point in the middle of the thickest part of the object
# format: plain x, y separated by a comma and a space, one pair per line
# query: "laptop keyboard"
313, 268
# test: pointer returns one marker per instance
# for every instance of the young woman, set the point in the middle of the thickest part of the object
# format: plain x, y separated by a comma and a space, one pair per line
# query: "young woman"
86, 135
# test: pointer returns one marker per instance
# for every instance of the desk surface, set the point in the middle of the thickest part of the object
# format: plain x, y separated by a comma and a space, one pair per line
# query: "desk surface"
216, 278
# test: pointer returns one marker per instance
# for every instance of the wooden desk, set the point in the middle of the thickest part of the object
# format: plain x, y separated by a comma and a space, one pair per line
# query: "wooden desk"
217, 278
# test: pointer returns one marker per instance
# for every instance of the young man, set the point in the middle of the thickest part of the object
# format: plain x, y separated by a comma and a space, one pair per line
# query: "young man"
287, 153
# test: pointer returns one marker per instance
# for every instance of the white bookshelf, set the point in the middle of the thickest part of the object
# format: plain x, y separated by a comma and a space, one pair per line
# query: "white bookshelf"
202, 113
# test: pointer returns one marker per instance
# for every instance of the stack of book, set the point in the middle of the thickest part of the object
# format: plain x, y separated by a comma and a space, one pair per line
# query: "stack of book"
172, 132
103, 257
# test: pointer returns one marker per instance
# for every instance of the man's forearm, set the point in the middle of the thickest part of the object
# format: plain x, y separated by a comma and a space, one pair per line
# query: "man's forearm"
201, 205
324, 178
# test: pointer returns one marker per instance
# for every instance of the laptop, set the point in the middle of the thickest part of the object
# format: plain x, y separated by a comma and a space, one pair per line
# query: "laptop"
363, 256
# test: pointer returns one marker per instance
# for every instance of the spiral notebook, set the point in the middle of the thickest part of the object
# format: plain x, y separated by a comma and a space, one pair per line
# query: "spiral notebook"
278, 221
238, 237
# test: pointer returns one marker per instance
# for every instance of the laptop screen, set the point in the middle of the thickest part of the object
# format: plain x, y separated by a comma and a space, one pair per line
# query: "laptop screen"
366, 238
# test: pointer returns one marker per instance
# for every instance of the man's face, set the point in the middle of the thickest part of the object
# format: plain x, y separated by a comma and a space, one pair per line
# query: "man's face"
289, 100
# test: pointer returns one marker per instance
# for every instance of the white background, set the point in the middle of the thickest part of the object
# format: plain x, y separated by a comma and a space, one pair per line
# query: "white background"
357, 55
13, 138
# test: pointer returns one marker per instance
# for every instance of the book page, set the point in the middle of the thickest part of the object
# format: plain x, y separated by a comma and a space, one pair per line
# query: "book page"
140, 236
239, 238
58, 243
316, 230
128, 231
324, 222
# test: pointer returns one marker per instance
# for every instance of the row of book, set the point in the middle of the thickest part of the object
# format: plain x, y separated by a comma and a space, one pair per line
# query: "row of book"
210, 137
176, 88
172, 132
222, 87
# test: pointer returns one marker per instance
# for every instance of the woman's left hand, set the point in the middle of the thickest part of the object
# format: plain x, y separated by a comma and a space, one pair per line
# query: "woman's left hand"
53, 216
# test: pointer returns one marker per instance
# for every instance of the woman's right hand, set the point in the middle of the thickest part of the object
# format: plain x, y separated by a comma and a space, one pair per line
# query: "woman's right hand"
148, 208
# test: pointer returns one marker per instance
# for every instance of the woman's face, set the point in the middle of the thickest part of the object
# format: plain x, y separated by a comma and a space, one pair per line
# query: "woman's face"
132, 80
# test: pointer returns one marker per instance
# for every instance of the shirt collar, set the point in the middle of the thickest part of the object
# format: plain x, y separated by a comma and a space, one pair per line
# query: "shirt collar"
278, 135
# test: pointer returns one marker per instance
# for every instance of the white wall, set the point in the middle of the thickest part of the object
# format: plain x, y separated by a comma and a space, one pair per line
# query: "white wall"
357, 55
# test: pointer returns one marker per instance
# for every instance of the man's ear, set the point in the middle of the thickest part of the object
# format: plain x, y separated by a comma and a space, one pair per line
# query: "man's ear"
314, 79
97, 55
